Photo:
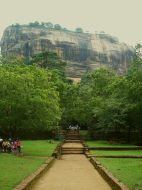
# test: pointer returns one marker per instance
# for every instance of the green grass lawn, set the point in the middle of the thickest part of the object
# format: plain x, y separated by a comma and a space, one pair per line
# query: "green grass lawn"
116, 153
14, 169
38, 148
129, 171
106, 144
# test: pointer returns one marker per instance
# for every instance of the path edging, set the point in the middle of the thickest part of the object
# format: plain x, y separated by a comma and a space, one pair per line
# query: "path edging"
30, 179
111, 180
115, 148
115, 156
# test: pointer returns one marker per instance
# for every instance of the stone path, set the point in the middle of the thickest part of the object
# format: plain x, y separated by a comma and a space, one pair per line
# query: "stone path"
72, 145
72, 172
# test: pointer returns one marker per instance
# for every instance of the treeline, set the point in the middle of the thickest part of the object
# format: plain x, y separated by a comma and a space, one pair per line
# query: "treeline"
37, 99
107, 104
47, 25
30, 96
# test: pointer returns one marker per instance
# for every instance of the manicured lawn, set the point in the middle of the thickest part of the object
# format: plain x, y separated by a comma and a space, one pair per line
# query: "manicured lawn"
106, 144
117, 153
14, 169
38, 147
129, 171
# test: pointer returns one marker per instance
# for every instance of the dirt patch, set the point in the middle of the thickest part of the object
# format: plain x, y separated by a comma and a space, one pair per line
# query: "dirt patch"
72, 172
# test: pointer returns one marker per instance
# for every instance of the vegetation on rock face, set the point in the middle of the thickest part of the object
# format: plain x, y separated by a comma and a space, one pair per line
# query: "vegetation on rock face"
49, 60
47, 25
79, 30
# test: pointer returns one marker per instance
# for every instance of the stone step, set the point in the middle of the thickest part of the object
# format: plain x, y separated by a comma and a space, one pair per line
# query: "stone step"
78, 137
72, 148
72, 135
73, 152
72, 141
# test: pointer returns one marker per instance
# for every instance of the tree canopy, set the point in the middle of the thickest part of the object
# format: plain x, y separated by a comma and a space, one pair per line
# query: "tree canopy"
29, 99
39, 96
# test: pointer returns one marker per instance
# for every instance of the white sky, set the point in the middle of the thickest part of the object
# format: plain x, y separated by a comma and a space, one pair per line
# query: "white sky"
121, 18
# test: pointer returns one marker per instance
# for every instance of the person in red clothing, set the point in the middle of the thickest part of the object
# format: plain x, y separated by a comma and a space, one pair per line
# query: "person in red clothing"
15, 146
18, 146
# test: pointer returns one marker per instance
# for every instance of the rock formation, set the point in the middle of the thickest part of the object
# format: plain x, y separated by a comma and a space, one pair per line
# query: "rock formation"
82, 51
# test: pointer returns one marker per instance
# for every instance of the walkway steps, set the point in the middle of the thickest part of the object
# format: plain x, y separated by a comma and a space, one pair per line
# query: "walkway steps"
72, 143
72, 150
72, 135
73, 171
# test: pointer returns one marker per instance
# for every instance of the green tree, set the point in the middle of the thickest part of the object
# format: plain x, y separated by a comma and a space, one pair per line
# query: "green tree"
49, 60
57, 27
29, 100
49, 25
79, 30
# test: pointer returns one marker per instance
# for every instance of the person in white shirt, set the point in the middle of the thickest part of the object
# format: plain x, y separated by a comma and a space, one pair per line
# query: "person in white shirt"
1, 140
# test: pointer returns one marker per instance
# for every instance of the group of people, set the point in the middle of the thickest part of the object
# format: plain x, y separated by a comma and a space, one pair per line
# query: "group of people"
76, 127
10, 145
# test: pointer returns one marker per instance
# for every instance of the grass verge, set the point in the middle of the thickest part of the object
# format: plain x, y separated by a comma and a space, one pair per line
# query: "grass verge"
14, 169
117, 153
38, 148
107, 144
128, 171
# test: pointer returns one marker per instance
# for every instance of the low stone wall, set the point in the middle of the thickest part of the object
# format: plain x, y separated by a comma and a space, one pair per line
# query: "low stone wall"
86, 149
57, 152
26, 183
121, 156
115, 148
111, 180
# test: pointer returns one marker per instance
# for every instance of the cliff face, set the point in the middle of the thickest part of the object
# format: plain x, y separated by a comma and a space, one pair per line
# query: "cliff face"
82, 51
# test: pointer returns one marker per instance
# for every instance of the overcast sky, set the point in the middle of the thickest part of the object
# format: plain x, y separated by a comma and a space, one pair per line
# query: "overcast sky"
121, 18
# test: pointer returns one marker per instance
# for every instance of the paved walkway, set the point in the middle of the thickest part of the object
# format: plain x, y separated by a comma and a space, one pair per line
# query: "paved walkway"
72, 172
72, 145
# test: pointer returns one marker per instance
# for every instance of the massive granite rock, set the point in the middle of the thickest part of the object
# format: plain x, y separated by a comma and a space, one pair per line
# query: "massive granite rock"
82, 51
